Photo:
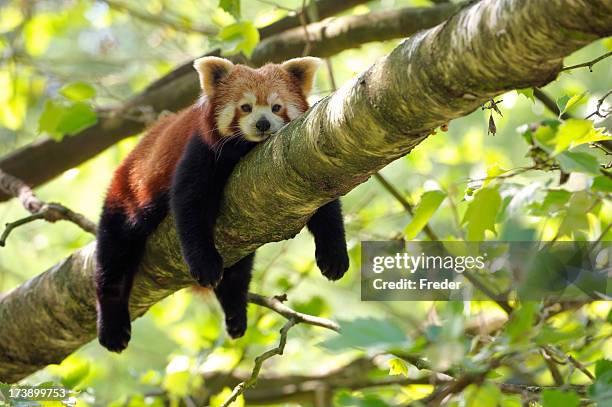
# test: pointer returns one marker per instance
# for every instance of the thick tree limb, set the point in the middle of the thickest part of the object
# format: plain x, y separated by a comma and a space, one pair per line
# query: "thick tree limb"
46, 158
446, 72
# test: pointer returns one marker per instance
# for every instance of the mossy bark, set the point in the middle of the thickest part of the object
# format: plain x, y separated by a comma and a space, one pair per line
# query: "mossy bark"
446, 72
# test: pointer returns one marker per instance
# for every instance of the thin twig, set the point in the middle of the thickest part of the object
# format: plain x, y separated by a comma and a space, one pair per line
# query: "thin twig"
400, 198
160, 20
600, 102
588, 64
252, 380
276, 305
51, 212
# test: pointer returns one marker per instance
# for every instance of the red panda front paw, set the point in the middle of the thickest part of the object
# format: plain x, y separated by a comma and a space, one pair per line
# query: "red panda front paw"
114, 329
236, 325
333, 262
209, 271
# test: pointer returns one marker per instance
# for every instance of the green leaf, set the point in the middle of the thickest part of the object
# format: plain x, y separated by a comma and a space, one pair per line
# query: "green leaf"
578, 162
521, 321
76, 118
576, 217
398, 367
239, 37
481, 213
366, 333
562, 103
602, 184
527, 92
50, 117
603, 366
556, 398
493, 172
346, 399
554, 201
574, 100
231, 6
429, 204
601, 389
75, 373
78, 91
575, 132
59, 119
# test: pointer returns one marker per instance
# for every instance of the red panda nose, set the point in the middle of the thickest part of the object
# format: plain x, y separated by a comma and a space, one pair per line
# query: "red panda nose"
262, 124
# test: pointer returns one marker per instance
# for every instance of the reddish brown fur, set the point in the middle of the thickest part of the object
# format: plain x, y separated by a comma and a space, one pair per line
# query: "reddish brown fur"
147, 171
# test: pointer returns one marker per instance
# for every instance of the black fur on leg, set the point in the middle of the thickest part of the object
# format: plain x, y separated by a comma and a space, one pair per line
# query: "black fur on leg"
327, 227
196, 192
232, 294
119, 251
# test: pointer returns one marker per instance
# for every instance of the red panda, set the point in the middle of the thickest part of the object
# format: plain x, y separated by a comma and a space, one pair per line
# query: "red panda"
182, 165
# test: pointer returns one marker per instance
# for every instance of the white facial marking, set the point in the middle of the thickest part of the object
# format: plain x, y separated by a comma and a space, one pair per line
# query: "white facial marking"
224, 119
293, 111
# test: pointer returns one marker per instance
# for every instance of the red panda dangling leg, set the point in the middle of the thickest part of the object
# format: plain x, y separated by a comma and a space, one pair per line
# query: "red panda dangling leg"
120, 247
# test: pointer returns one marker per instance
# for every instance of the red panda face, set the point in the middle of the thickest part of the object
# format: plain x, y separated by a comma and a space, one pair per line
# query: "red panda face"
255, 103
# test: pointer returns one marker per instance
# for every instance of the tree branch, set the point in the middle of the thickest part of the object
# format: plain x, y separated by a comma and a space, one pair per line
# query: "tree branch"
51, 212
441, 74
46, 158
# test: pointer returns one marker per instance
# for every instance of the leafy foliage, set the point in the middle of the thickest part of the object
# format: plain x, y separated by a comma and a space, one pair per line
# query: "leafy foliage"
68, 63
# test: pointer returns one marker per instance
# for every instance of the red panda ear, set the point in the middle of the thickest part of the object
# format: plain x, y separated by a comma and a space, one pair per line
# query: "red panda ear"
303, 71
212, 70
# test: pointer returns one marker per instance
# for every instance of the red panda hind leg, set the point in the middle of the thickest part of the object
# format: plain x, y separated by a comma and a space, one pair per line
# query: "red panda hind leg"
120, 247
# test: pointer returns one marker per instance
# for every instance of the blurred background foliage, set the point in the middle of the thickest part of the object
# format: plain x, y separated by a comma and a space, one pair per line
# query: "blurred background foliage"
64, 63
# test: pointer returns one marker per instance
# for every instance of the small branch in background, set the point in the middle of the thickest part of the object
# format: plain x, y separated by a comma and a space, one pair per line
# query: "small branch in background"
160, 20
241, 387
293, 318
598, 111
276, 305
552, 367
588, 64
400, 198
304, 22
51, 212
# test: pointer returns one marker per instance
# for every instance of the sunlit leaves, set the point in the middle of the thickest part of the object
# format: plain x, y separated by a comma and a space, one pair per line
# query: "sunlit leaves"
72, 371
528, 93
429, 204
59, 118
556, 398
574, 132
366, 333
565, 102
78, 91
601, 389
482, 213
602, 183
239, 37
578, 162
346, 399
580, 205
521, 321
231, 6
398, 367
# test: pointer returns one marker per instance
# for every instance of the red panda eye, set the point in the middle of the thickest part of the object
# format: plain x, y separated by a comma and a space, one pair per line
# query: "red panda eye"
276, 108
246, 108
